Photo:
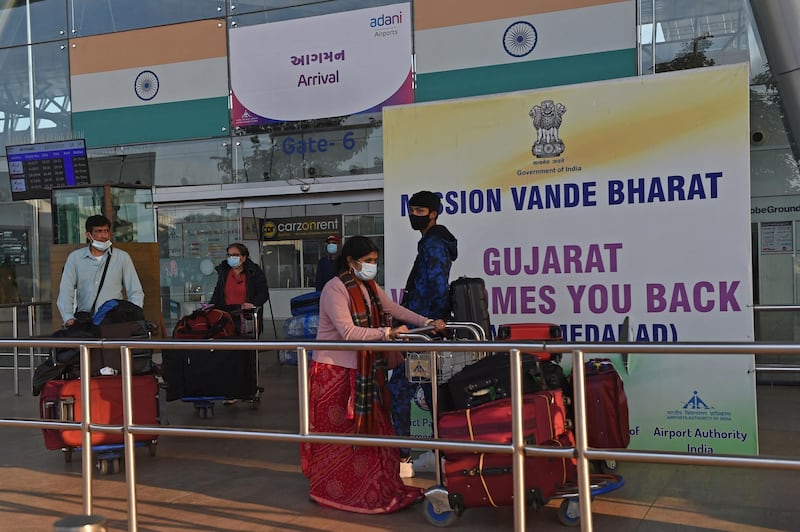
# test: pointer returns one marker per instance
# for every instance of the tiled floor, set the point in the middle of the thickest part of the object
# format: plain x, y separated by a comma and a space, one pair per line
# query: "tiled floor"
216, 485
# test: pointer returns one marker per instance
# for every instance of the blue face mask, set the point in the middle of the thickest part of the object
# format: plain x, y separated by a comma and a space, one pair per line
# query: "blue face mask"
331, 249
233, 262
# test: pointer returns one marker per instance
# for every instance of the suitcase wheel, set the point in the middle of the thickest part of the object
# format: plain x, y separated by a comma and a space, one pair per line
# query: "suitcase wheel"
204, 411
437, 515
606, 466
569, 513
108, 464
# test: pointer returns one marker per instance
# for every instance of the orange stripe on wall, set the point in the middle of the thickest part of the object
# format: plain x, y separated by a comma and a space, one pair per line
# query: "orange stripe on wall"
429, 14
203, 39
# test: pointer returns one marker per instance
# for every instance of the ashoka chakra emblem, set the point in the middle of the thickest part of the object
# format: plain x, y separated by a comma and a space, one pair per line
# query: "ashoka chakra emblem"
146, 85
520, 39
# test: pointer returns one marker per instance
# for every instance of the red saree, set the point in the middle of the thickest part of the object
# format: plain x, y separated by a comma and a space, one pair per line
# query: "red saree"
356, 479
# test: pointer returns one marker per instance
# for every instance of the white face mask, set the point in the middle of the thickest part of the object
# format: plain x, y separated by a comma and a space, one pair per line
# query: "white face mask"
101, 246
367, 272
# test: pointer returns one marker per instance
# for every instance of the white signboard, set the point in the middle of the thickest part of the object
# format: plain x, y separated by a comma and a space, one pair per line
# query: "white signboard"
324, 66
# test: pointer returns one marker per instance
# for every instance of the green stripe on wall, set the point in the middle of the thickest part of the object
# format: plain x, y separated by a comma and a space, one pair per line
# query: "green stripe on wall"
153, 123
523, 76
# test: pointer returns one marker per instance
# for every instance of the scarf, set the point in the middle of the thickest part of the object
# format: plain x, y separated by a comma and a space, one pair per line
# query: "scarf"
371, 393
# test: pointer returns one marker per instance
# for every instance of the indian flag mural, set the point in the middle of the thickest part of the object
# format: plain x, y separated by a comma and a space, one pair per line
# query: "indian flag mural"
475, 47
148, 85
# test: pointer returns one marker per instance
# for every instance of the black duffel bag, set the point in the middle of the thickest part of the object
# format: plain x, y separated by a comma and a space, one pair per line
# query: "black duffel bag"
490, 378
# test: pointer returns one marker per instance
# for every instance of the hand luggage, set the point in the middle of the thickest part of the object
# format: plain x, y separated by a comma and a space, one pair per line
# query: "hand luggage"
543, 413
305, 304
511, 332
474, 480
205, 323
606, 406
489, 379
468, 303
200, 375
61, 400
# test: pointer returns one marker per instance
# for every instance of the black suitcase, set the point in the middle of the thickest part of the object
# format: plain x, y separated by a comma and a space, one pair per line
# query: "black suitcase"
468, 303
490, 378
203, 373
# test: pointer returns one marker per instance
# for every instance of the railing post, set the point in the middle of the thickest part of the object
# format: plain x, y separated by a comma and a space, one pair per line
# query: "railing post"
15, 331
517, 440
31, 321
302, 389
581, 441
128, 439
86, 435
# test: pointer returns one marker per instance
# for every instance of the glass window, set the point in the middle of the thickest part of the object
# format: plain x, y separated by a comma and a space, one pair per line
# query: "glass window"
89, 17
260, 11
680, 35
21, 255
51, 91
51, 94
48, 22
311, 150
282, 264
71, 207
14, 113
132, 218
197, 162
192, 241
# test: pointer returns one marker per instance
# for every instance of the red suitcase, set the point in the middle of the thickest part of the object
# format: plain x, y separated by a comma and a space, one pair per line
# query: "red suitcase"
531, 331
61, 400
606, 406
543, 418
487, 479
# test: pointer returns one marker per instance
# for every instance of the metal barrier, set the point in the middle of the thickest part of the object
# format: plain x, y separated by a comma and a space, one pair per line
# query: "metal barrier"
517, 448
15, 367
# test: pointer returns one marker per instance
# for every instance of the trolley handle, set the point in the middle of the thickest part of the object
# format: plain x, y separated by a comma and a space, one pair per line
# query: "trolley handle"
473, 328
414, 335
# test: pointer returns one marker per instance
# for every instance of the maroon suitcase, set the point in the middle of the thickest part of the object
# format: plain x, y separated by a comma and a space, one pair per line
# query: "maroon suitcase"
487, 479
532, 331
61, 400
606, 406
543, 418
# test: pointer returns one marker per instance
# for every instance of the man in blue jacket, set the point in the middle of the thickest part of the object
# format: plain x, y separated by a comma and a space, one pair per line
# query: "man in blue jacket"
428, 293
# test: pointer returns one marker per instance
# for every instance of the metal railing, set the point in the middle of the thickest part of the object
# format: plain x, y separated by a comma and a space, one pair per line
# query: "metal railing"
517, 448
15, 333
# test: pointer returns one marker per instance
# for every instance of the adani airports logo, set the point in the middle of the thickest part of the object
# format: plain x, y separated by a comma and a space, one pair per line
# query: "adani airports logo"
386, 24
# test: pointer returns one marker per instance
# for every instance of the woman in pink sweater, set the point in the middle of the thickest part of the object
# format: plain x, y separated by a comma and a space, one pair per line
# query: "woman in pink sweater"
349, 393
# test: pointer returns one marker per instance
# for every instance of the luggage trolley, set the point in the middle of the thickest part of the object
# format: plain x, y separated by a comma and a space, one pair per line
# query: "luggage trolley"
440, 508
213, 363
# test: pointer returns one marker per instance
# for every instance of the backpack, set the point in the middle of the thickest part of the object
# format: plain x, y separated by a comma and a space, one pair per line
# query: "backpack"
117, 311
205, 323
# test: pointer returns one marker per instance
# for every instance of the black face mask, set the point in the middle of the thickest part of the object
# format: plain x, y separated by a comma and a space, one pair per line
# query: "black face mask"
418, 223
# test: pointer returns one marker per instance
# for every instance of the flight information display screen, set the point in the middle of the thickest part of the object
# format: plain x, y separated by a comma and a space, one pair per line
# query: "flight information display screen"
36, 169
